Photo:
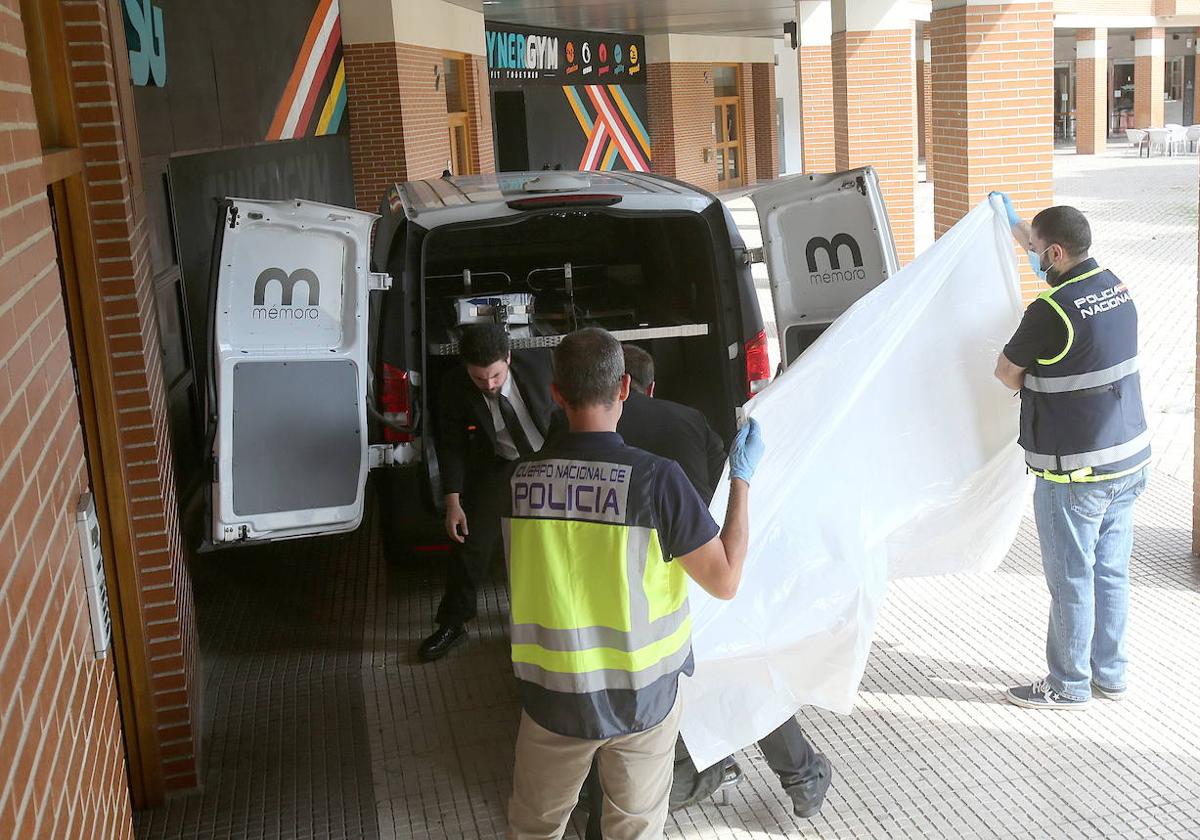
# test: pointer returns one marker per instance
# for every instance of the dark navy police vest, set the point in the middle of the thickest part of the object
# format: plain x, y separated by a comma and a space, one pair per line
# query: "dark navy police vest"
1081, 411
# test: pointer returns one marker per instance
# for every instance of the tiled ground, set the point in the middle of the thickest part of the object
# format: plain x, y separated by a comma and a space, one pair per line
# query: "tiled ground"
321, 724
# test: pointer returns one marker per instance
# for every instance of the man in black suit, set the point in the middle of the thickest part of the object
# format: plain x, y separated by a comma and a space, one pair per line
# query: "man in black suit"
505, 398
675, 431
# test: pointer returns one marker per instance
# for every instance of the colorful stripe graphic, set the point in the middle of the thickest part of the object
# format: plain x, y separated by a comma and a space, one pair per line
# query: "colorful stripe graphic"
318, 67
615, 130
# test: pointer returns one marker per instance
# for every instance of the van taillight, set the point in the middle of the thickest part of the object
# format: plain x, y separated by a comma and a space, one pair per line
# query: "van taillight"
758, 364
395, 403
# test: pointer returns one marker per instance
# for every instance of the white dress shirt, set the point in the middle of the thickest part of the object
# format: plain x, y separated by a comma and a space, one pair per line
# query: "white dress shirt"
505, 447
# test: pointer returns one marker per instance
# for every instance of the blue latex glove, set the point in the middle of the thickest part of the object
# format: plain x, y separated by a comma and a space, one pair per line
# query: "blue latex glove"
747, 450
1013, 218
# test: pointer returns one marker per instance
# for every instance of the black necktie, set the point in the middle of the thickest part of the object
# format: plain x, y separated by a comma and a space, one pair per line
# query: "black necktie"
515, 429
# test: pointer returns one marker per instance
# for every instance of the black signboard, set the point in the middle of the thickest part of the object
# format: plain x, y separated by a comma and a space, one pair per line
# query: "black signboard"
523, 55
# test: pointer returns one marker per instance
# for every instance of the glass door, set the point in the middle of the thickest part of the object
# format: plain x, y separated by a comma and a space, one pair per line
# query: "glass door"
727, 126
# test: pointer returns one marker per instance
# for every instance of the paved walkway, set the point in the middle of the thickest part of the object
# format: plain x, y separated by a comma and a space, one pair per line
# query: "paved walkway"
322, 725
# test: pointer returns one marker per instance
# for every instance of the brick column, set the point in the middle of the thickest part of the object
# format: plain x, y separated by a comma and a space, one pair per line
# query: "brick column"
151, 571
993, 91
816, 87
924, 105
1091, 91
766, 125
679, 99
398, 125
1150, 51
395, 96
874, 103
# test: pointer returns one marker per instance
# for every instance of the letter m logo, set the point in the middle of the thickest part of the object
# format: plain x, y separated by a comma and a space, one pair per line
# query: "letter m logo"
831, 249
287, 285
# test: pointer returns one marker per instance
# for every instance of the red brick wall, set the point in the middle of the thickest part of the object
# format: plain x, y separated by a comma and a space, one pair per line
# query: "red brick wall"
766, 126
62, 771
993, 110
1148, 79
816, 109
874, 118
924, 108
680, 104
1091, 97
377, 153
127, 291
398, 126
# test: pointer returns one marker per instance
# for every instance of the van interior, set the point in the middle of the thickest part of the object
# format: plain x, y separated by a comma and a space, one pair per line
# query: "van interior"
650, 277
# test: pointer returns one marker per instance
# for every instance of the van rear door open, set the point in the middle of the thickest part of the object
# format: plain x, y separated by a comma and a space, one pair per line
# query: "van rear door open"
827, 242
287, 398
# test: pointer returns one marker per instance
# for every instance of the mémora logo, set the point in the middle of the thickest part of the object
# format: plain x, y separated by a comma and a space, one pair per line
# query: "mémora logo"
832, 247
287, 289
514, 51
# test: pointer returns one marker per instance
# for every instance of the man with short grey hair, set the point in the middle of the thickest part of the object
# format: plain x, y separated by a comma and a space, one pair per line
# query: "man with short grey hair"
600, 538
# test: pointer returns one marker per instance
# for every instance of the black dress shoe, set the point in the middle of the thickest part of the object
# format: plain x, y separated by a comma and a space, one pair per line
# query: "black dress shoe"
808, 793
439, 644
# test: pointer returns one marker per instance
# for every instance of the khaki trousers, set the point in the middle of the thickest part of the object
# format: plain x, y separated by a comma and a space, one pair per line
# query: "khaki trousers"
635, 772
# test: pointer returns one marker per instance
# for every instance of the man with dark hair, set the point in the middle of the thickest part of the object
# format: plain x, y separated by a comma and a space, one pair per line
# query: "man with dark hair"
505, 398
599, 539
668, 429
1074, 360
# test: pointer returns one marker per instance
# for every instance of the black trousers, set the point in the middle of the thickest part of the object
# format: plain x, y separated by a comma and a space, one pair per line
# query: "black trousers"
787, 750
483, 502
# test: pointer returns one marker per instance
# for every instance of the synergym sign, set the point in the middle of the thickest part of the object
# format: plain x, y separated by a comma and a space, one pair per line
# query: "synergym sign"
523, 55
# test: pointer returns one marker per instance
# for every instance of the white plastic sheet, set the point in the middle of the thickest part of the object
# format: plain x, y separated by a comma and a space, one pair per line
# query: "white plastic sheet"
891, 451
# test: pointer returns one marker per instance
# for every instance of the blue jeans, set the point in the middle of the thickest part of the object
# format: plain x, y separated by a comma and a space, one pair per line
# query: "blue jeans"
1086, 534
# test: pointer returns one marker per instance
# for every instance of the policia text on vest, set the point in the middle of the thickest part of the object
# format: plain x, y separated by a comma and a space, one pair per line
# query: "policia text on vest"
600, 539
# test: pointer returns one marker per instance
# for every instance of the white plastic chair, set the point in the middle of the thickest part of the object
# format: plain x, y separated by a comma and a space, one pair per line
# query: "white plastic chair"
1193, 138
1137, 139
1179, 138
1158, 138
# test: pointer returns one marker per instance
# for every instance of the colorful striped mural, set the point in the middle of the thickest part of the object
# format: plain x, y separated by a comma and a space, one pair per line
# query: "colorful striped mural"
318, 76
612, 127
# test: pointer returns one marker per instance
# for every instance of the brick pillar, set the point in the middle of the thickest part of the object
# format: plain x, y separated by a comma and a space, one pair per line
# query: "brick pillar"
1091, 91
62, 758
924, 106
993, 91
874, 103
766, 125
398, 125
816, 87
151, 564
1148, 70
680, 103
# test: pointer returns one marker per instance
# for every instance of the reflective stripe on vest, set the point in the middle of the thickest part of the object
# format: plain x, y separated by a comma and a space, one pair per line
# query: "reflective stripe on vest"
1081, 381
1095, 458
594, 605
1048, 297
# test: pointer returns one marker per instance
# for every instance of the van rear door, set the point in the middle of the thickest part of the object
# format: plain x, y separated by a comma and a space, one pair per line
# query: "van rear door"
287, 392
827, 242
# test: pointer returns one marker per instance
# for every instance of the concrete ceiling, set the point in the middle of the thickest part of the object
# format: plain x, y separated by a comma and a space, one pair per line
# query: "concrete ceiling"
648, 17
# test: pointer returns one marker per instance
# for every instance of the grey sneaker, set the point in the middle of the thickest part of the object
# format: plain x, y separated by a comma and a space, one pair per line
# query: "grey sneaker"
1108, 693
1041, 696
